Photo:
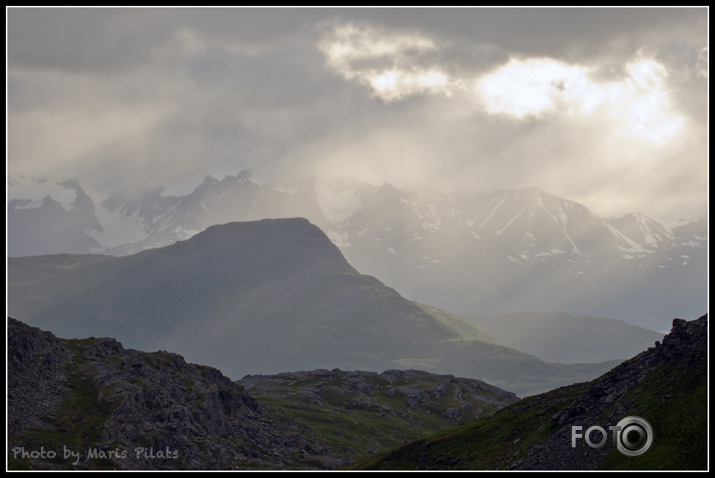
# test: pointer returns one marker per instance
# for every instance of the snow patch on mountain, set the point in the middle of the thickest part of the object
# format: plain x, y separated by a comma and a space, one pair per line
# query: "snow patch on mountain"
337, 204
340, 239
631, 247
682, 222
552, 252
503, 228
33, 192
18, 204
291, 190
118, 227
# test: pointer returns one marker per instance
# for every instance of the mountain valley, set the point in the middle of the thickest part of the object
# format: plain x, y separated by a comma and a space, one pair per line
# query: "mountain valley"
559, 337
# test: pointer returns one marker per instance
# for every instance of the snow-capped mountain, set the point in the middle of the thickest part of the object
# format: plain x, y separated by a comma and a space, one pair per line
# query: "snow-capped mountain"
509, 251
478, 253
47, 217
154, 220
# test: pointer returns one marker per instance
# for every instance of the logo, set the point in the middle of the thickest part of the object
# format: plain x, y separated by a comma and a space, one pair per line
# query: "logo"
633, 436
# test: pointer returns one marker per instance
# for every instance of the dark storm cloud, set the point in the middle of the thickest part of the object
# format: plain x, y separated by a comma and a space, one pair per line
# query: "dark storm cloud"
94, 40
109, 39
149, 96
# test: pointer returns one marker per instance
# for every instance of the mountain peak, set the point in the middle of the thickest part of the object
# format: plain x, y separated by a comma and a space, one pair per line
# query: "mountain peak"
259, 246
287, 229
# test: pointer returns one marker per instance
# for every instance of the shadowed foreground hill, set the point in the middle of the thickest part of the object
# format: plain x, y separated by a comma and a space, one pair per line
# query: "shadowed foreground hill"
666, 385
78, 404
355, 414
91, 404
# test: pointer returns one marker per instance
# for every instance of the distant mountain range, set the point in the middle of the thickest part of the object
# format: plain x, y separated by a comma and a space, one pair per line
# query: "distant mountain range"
666, 385
480, 253
265, 297
559, 337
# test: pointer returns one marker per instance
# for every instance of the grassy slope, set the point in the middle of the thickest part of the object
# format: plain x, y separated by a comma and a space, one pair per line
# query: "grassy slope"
354, 424
673, 396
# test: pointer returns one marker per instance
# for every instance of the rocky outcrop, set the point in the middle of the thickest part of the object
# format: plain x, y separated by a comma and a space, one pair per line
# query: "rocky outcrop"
615, 395
360, 413
36, 363
419, 392
666, 385
92, 404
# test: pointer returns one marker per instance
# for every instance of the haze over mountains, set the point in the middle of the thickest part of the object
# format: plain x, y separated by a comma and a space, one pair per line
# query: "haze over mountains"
560, 337
265, 297
356, 226
478, 253
277, 295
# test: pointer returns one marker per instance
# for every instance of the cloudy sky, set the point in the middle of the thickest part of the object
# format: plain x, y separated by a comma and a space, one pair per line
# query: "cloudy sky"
607, 107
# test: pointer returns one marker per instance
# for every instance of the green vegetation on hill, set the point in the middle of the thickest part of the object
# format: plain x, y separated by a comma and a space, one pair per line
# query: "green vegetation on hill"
666, 385
100, 402
354, 414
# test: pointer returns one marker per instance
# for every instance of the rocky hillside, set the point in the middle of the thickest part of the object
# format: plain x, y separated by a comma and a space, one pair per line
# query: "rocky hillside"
92, 404
97, 405
361, 413
666, 385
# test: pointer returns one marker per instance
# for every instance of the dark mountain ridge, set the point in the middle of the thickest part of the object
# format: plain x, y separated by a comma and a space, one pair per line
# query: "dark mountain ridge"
260, 287
264, 297
91, 404
667, 385
117, 408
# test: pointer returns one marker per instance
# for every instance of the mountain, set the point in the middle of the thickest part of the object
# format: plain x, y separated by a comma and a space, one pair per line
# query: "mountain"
355, 414
542, 252
510, 251
91, 404
270, 290
666, 385
560, 337
49, 217
264, 297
